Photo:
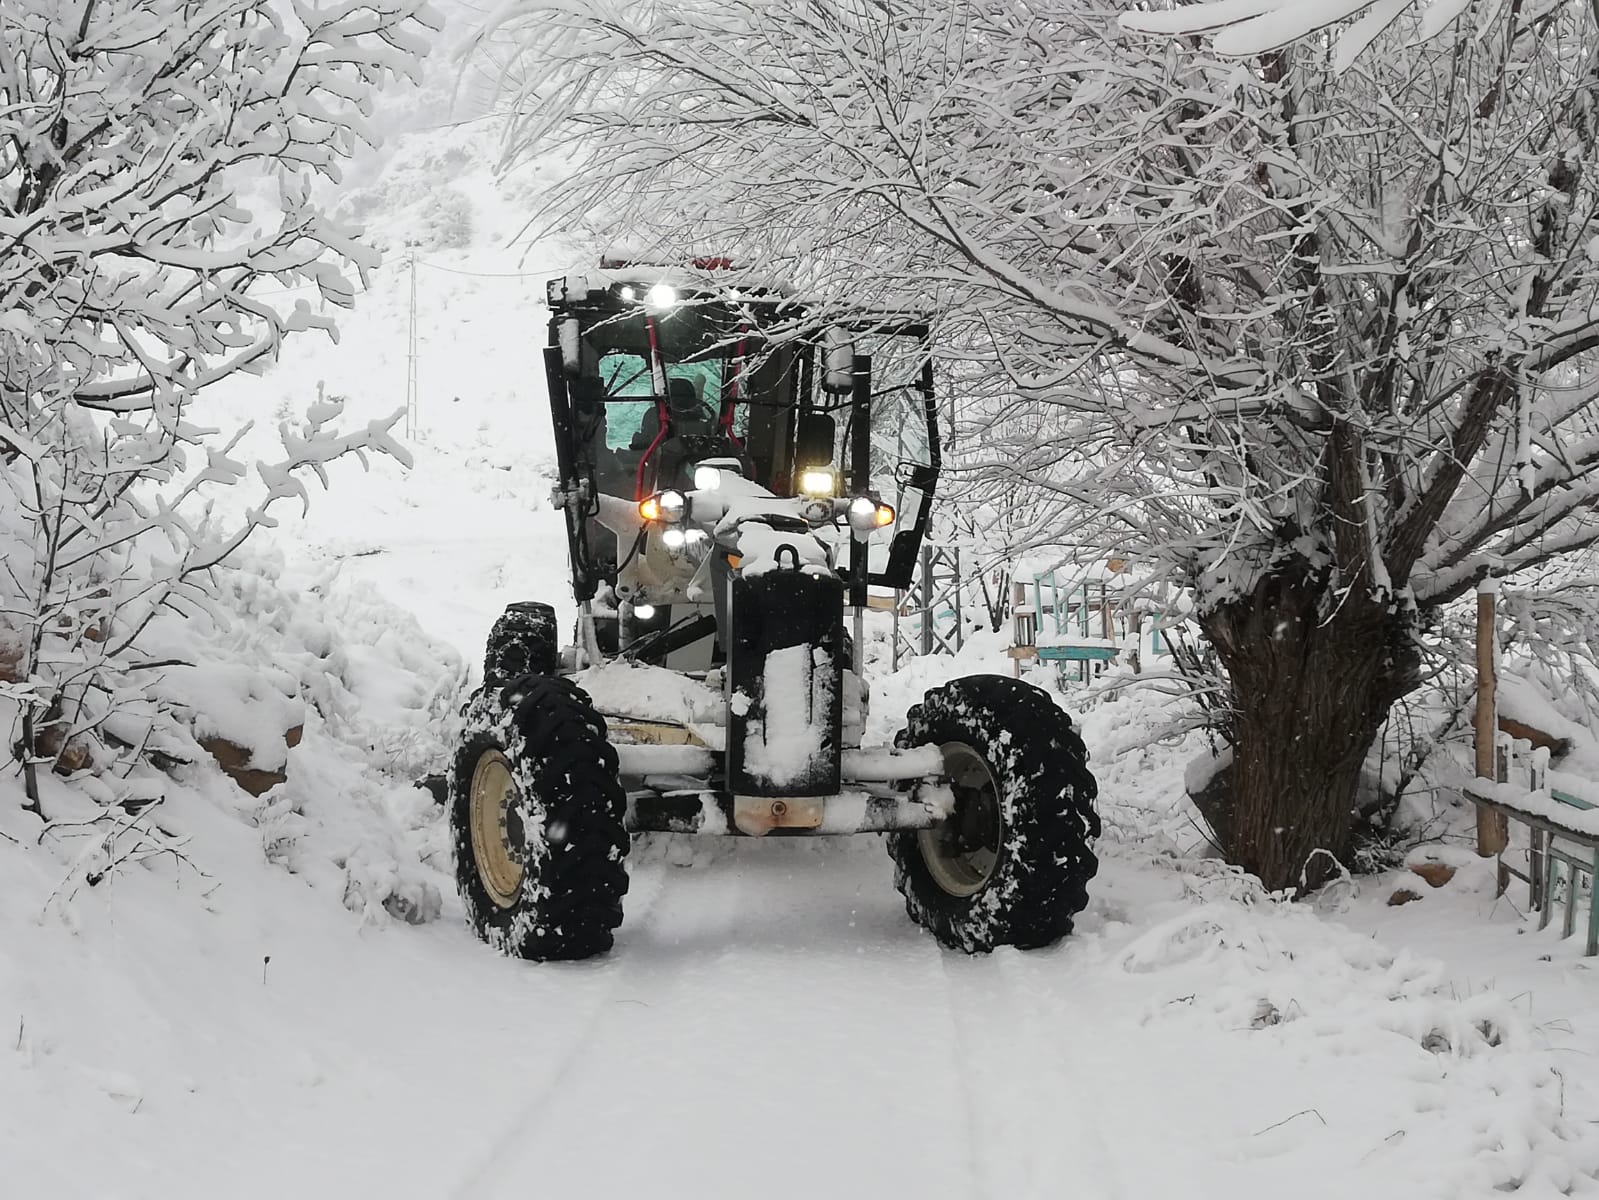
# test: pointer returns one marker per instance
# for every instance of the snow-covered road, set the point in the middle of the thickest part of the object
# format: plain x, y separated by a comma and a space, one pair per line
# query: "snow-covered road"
767, 1005
771, 1025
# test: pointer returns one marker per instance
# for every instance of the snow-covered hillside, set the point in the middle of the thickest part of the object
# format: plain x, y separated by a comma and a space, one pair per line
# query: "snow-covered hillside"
291, 1003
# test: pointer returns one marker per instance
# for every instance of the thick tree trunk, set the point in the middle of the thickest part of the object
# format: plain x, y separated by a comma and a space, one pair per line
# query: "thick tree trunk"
1313, 676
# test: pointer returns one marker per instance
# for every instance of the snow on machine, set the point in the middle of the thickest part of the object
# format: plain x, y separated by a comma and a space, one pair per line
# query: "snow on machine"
723, 472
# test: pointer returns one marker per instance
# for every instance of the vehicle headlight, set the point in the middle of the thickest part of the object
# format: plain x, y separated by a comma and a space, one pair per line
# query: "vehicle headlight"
674, 539
818, 481
662, 295
707, 479
866, 514
670, 505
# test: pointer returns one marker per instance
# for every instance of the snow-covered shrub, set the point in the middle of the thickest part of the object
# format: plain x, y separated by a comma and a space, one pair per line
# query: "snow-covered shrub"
376, 697
370, 696
446, 220
158, 161
415, 205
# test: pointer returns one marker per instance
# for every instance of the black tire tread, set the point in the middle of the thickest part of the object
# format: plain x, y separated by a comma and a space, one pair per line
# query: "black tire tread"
574, 875
1041, 765
522, 642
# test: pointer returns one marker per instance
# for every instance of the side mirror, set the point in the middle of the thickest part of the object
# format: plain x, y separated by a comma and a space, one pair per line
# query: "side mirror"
571, 347
813, 439
838, 362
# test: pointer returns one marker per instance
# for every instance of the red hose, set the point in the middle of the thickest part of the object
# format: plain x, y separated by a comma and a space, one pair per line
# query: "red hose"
660, 406
732, 402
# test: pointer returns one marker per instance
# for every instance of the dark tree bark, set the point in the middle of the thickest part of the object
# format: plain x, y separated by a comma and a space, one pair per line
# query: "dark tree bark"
1313, 676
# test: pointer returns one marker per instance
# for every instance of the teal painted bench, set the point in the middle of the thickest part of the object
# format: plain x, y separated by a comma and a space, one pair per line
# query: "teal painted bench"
1576, 867
1558, 851
1068, 653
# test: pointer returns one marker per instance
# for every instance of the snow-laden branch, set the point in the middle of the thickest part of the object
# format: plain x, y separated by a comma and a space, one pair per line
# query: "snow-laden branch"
1284, 308
159, 159
133, 154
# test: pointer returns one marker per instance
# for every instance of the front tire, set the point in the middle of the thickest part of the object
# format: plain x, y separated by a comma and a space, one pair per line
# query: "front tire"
536, 817
1011, 865
522, 642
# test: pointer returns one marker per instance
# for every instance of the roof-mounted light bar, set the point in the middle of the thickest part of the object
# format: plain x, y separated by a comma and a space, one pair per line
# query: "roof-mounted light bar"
700, 262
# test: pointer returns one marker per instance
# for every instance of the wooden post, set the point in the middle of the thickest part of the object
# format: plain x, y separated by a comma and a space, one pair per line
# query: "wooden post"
1107, 630
1018, 624
1493, 832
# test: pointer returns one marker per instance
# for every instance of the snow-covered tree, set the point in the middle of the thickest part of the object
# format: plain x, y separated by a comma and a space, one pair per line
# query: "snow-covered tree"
158, 160
1246, 28
1320, 342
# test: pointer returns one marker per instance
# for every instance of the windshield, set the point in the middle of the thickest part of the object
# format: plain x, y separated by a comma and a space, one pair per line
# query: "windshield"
661, 388
624, 374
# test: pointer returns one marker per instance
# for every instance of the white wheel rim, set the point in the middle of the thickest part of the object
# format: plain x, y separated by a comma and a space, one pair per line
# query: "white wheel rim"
960, 864
499, 863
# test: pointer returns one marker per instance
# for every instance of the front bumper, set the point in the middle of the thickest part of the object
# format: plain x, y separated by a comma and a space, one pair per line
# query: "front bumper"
678, 789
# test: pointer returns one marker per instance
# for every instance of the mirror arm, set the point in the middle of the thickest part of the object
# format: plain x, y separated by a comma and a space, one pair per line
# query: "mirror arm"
838, 359
568, 332
860, 480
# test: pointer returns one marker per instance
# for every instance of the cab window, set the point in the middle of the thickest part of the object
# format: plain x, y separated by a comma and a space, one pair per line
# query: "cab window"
622, 375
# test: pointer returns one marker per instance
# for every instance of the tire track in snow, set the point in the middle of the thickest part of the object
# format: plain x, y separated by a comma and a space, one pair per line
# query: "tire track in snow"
1066, 1083
977, 1139
776, 1008
673, 914
507, 1145
1038, 1135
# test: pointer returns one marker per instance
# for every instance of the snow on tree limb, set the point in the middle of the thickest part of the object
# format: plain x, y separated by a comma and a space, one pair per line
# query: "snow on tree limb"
159, 163
129, 133
1166, 250
1248, 28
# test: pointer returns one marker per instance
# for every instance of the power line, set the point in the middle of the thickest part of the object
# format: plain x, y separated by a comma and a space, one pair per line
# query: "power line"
420, 262
412, 388
542, 271
493, 116
410, 375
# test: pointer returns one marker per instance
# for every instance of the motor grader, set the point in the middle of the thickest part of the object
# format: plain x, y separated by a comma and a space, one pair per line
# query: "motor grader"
737, 471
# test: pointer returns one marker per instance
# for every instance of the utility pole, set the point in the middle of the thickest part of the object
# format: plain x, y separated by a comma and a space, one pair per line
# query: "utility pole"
410, 360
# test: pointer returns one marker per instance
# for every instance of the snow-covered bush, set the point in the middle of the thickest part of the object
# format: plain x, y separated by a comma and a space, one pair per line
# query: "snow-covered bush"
158, 161
415, 204
374, 697
306, 656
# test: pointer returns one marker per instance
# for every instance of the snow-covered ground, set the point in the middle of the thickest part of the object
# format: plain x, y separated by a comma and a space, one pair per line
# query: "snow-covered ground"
771, 1024
261, 1018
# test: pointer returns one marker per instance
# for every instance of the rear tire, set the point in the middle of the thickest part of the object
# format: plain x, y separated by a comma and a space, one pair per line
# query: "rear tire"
522, 642
536, 817
1011, 865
